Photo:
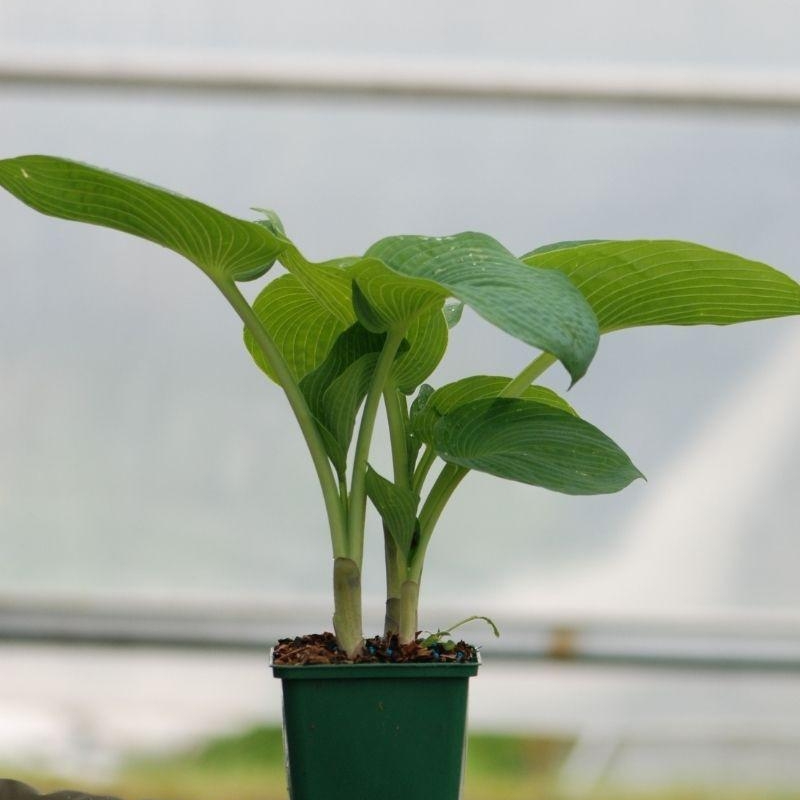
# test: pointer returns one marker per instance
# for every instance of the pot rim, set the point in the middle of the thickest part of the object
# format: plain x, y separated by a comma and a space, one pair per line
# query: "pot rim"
425, 669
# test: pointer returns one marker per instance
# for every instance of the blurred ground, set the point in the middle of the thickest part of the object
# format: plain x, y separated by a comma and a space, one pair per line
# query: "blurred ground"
250, 767
78, 712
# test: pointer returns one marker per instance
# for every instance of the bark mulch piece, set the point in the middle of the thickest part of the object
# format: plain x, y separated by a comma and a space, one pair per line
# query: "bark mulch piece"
321, 648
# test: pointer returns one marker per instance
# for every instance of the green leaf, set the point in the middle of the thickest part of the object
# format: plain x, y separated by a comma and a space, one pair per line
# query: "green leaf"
663, 282
340, 404
337, 452
477, 387
425, 331
539, 307
427, 340
302, 329
222, 246
365, 313
335, 390
546, 248
364, 289
329, 282
417, 408
397, 507
533, 443
272, 222
392, 299
420, 401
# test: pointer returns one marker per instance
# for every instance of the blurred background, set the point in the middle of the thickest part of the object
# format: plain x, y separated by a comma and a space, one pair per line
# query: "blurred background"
157, 527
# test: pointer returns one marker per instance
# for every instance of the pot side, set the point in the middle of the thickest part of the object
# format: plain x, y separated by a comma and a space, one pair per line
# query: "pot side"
388, 731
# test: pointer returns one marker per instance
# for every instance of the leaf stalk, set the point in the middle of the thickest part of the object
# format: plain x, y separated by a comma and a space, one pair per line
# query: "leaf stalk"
330, 493
451, 475
358, 491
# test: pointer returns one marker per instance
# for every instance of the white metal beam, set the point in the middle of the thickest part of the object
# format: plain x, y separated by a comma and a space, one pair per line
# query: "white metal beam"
390, 76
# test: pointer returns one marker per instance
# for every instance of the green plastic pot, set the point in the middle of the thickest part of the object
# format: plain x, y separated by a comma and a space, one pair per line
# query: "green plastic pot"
383, 731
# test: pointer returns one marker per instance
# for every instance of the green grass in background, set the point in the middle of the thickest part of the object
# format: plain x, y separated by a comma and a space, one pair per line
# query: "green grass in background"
250, 766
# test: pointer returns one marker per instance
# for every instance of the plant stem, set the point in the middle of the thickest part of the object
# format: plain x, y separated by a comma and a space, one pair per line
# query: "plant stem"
441, 491
528, 375
347, 622
330, 493
343, 498
397, 418
423, 468
409, 605
451, 475
394, 580
358, 492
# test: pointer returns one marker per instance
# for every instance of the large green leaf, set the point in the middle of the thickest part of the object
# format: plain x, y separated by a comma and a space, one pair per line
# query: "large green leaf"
539, 307
222, 246
325, 298
397, 507
427, 342
386, 299
653, 282
533, 443
477, 387
330, 283
335, 390
302, 329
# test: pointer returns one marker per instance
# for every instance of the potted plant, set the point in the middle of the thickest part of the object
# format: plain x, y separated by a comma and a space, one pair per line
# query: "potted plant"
348, 337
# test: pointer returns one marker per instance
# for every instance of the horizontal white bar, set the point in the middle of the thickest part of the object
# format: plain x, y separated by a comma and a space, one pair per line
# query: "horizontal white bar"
728, 621
758, 642
395, 76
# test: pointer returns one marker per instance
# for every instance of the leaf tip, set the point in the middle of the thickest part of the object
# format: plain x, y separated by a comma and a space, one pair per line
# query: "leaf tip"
575, 376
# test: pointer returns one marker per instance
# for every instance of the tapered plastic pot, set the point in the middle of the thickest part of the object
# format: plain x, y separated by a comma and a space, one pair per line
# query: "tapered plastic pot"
382, 731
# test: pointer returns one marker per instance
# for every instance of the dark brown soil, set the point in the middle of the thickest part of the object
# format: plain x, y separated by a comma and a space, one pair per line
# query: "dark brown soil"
321, 648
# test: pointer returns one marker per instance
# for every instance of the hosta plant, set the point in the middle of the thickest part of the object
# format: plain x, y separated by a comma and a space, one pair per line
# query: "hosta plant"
348, 338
